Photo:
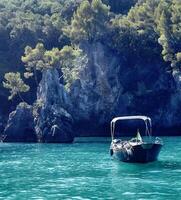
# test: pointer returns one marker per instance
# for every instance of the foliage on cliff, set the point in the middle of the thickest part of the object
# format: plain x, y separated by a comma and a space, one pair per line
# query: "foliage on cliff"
89, 22
34, 34
148, 26
68, 60
15, 84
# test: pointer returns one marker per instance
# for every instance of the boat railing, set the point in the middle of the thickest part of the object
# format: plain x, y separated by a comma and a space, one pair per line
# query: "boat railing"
147, 121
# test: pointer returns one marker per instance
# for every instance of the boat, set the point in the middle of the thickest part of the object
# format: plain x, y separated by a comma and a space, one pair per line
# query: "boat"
138, 149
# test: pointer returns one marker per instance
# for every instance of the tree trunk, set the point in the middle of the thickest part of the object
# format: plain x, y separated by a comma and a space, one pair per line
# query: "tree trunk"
35, 75
21, 97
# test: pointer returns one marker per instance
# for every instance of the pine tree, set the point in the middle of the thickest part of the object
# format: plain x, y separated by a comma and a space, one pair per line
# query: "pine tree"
15, 84
89, 22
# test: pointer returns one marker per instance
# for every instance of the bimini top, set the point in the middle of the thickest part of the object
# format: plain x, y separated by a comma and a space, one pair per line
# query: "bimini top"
146, 119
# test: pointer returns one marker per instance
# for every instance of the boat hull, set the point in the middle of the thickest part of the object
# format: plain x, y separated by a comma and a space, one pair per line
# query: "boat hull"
142, 153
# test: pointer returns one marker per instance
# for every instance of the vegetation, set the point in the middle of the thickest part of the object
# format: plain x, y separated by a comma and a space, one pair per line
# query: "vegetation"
69, 60
51, 31
89, 22
15, 84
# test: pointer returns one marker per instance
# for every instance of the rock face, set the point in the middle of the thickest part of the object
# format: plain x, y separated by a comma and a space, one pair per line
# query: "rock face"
108, 87
20, 126
53, 122
95, 96
173, 112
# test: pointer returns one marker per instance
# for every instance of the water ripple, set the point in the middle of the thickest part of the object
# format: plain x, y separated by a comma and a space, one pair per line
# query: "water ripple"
85, 171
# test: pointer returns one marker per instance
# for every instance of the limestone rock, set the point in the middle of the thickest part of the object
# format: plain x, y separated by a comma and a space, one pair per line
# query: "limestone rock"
53, 123
20, 125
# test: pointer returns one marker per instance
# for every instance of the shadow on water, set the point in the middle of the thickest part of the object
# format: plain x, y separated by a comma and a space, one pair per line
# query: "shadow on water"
168, 164
154, 167
92, 140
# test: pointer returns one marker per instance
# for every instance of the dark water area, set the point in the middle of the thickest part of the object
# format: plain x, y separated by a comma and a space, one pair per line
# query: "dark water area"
85, 170
123, 129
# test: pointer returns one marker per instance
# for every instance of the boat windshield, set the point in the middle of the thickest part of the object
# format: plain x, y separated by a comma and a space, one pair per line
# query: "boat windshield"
147, 121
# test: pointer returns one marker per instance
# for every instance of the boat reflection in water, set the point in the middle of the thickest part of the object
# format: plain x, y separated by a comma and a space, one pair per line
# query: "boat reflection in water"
138, 149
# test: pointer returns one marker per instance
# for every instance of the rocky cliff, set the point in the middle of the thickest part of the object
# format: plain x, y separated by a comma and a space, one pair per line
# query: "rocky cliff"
53, 120
20, 126
107, 87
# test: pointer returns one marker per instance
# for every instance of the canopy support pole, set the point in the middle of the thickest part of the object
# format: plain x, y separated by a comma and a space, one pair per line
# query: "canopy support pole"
147, 120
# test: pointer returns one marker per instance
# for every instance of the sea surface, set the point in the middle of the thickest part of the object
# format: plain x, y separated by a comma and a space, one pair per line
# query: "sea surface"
85, 170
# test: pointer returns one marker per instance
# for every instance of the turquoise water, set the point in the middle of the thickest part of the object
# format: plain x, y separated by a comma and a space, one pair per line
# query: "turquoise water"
86, 171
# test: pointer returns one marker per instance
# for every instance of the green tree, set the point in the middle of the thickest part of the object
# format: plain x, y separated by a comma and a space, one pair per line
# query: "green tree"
165, 38
39, 59
73, 62
33, 60
134, 34
90, 21
15, 84
68, 60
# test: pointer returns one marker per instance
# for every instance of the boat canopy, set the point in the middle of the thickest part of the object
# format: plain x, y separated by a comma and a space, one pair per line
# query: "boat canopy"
147, 121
